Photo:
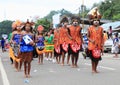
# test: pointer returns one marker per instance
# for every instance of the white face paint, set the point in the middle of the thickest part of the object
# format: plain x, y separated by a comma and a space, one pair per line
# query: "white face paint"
65, 24
75, 23
96, 22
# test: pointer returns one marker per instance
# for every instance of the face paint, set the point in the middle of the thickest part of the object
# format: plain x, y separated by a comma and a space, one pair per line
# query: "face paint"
96, 22
65, 24
75, 23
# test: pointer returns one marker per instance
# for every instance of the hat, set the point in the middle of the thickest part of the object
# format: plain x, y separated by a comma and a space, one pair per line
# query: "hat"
16, 23
28, 22
94, 14
40, 28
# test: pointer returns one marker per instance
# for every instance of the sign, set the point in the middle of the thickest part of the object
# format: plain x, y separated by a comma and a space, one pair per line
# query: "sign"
4, 36
56, 20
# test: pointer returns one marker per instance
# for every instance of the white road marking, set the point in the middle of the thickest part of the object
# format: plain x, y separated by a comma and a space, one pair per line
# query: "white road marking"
108, 68
3, 73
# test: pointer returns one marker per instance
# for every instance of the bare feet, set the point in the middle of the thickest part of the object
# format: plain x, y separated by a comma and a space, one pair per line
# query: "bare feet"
28, 76
62, 64
68, 64
75, 66
95, 71
25, 76
115, 56
72, 65
17, 70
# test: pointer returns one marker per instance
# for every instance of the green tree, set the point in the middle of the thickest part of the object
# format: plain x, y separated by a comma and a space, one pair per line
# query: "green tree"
5, 27
110, 9
47, 20
62, 12
44, 22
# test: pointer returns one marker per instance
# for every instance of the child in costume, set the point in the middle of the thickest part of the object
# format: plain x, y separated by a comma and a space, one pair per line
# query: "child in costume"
49, 46
26, 48
115, 47
96, 41
57, 51
40, 46
64, 39
76, 41
15, 42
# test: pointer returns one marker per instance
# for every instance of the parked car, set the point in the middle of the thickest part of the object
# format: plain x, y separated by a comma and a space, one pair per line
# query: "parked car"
108, 45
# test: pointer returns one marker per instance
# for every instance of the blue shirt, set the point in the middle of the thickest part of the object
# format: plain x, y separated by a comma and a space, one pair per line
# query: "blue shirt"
26, 47
17, 38
85, 39
2, 42
40, 41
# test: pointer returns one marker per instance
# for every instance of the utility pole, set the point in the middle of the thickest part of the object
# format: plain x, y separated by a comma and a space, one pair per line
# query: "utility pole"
82, 8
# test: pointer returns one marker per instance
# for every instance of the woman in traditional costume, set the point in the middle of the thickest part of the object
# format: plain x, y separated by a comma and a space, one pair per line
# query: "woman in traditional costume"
15, 42
26, 48
76, 42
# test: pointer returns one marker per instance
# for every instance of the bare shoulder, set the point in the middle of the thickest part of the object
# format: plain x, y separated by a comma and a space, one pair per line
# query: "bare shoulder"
23, 32
32, 34
15, 32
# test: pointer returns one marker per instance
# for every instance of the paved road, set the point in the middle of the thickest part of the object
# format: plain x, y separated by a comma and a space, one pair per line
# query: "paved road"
1, 82
53, 74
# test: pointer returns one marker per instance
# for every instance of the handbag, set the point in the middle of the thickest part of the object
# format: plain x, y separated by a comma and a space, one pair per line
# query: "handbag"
96, 53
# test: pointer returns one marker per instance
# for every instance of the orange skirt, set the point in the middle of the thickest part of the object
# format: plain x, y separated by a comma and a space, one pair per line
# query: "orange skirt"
40, 52
11, 54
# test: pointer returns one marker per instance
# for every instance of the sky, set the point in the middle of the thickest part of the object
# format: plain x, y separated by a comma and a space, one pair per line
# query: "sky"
29, 9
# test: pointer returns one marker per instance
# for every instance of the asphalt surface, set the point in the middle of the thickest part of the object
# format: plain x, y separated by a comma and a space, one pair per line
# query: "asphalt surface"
1, 82
53, 74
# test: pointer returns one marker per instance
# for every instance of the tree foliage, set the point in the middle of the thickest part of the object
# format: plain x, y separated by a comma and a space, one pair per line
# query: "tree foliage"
62, 12
47, 20
5, 27
110, 9
44, 22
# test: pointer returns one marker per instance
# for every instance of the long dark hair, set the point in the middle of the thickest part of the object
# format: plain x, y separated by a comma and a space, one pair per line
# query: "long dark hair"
31, 28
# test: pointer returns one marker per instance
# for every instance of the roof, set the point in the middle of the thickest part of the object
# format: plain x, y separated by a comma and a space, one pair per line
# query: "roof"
113, 24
